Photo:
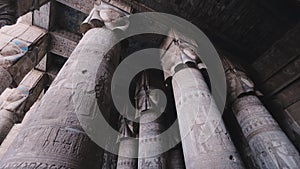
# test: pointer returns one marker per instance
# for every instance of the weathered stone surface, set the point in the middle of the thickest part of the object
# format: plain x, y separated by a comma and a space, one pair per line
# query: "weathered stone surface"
9, 139
5, 79
22, 47
16, 102
53, 137
201, 149
151, 153
175, 158
205, 140
83, 6
63, 42
269, 144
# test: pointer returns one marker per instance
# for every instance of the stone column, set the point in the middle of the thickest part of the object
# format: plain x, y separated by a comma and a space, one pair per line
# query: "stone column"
150, 125
206, 142
54, 138
128, 146
269, 145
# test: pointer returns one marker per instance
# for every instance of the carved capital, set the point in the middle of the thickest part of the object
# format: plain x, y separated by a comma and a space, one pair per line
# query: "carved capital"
148, 98
106, 14
237, 80
126, 130
180, 53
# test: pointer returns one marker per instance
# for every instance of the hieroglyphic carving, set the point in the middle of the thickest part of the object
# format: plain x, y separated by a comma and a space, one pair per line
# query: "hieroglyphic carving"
269, 145
83, 6
63, 42
208, 144
53, 136
150, 126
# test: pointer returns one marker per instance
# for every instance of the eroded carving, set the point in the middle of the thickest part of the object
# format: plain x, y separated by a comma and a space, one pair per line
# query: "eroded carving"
106, 14
208, 144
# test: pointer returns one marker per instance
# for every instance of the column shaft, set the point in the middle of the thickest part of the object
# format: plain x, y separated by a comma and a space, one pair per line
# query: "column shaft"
53, 138
129, 148
205, 140
194, 103
269, 144
150, 126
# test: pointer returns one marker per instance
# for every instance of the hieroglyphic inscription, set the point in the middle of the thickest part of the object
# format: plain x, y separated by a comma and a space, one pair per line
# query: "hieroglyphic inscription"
269, 144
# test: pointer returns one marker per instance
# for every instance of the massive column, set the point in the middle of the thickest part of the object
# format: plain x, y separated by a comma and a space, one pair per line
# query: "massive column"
151, 124
54, 138
205, 140
21, 48
270, 146
128, 146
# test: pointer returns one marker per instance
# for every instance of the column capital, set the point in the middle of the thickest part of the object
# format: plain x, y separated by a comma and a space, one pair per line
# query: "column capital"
148, 97
126, 129
238, 81
180, 53
106, 13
